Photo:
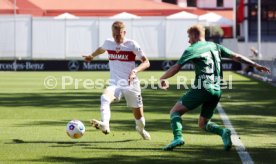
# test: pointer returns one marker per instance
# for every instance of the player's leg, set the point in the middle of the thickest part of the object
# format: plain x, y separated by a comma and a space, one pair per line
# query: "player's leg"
140, 122
217, 129
134, 100
189, 101
176, 125
108, 96
204, 120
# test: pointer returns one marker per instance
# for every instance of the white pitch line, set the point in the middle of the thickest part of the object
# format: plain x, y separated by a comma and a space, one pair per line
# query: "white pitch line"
244, 155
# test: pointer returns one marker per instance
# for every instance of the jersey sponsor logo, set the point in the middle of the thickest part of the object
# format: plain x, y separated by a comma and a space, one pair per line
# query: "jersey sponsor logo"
118, 56
121, 56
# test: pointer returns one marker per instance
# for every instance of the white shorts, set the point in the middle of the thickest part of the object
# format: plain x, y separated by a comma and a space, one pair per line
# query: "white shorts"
131, 93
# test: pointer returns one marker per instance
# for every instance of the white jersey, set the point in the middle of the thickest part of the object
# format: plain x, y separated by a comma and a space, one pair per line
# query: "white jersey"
122, 59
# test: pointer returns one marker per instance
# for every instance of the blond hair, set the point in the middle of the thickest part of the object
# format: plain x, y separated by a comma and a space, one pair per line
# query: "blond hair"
118, 25
198, 30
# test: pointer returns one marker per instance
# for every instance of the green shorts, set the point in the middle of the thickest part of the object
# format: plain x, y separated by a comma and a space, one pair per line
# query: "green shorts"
196, 97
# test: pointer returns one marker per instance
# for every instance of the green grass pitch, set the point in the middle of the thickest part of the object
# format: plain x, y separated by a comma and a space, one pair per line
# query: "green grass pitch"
33, 120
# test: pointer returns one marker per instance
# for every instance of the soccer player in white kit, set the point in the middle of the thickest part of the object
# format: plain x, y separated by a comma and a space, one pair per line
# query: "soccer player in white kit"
122, 53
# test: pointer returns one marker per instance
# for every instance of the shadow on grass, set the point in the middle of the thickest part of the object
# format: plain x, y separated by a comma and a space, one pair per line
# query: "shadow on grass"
42, 123
254, 127
46, 123
185, 154
77, 143
155, 101
157, 125
56, 100
263, 155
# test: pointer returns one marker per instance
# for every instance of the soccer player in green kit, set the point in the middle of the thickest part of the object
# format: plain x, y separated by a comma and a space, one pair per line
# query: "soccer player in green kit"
206, 56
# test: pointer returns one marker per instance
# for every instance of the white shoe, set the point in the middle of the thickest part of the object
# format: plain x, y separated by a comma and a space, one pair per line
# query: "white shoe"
145, 135
100, 125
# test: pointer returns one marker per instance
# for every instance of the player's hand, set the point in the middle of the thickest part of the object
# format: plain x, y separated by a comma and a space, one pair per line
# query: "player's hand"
262, 69
164, 84
132, 76
88, 58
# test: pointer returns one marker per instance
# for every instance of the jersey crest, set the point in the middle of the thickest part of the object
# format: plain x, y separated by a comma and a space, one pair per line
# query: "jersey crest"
118, 49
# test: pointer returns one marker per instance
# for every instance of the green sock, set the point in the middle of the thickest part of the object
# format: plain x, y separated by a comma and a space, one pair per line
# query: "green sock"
214, 128
176, 125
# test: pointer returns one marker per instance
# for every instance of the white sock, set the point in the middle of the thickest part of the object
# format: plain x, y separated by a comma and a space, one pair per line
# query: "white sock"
105, 109
141, 123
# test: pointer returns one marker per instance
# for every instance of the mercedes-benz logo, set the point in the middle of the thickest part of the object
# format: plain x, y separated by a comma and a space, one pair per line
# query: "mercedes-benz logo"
73, 65
167, 64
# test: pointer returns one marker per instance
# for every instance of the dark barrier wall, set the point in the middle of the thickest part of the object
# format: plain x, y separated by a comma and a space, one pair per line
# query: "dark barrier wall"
97, 65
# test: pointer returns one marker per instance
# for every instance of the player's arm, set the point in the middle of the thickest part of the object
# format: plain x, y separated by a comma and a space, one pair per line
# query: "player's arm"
170, 73
97, 52
240, 58
186, 56
245, 60
144, 65
140, 55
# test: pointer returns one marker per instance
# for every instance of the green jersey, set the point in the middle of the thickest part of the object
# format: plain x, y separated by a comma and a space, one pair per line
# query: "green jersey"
206, 57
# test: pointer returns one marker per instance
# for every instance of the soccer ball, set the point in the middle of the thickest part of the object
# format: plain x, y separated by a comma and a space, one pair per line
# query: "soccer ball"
75, 129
